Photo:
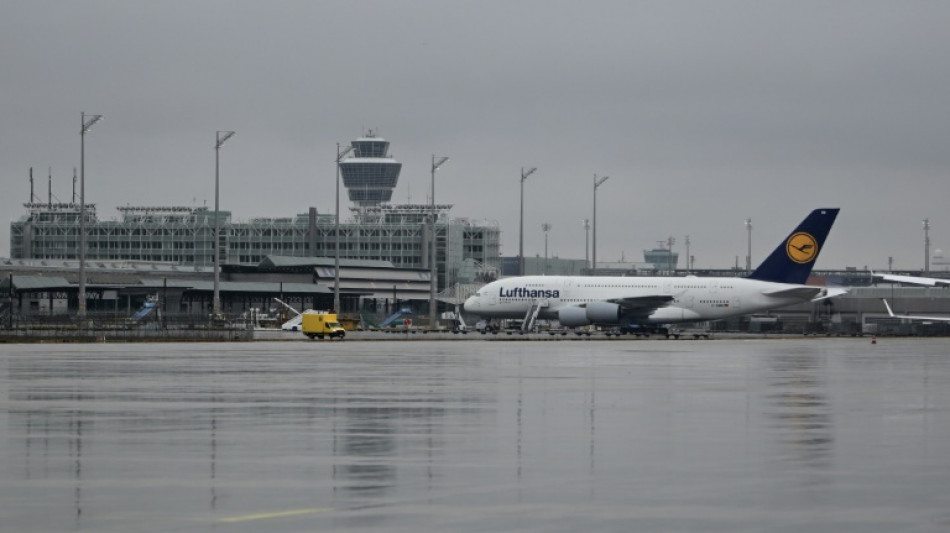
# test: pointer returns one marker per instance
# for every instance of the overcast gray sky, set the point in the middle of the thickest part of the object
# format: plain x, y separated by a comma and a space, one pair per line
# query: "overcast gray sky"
702, 113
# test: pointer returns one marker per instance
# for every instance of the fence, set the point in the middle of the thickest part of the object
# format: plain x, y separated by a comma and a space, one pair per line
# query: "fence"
105, 328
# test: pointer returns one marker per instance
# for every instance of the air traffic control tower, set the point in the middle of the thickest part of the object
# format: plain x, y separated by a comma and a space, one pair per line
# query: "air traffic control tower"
370, 175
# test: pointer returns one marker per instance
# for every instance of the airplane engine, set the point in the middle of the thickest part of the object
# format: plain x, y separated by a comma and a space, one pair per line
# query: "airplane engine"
594, 313
603, 313
572, 317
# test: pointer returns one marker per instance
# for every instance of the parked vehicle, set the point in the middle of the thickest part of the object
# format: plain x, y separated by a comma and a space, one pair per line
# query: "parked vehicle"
317, 324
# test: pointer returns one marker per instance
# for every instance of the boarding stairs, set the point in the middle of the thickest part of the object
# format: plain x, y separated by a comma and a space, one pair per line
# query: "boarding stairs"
295, 323
395, 316
150, 305
531, 317
287, 305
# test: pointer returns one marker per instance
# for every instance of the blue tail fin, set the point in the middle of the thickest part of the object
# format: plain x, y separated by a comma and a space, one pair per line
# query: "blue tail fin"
792, 260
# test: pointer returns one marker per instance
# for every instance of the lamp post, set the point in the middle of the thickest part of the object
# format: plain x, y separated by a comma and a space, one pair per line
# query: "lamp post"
748, 257
340, 154
433, 269
221, 136
586, 222
670, 241
688, 266
546, 227
525, 172
87, 122
926, 224
597, 183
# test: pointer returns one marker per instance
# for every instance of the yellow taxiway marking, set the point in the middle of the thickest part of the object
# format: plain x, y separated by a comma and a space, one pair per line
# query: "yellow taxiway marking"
278, 514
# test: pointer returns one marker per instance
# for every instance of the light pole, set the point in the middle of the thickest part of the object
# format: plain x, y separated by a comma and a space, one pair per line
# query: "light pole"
525, 172
433, 269
221, 136
597, 183
87, 123
546, 227
669, 258
926, 224
748, 257
688, 266
586, 222
340, 154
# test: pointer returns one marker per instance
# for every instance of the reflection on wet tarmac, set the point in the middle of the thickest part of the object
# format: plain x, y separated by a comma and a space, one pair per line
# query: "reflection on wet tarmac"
799, 406
807, 435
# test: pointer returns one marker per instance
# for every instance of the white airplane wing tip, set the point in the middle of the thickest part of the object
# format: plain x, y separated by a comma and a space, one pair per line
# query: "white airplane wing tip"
829, 293
890, 312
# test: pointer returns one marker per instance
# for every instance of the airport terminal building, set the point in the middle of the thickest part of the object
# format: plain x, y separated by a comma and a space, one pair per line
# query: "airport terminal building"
383, 250
467, 251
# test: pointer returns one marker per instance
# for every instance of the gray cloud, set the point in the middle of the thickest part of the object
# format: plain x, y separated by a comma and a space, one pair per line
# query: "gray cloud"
702, 113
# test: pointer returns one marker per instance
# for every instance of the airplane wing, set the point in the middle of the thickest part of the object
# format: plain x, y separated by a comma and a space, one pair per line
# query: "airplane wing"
639, 306
829, 293
915, 317
914, 280
807, 293
644, 304
800, 292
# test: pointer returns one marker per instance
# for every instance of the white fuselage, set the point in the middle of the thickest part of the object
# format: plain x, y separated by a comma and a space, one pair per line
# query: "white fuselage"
693, 298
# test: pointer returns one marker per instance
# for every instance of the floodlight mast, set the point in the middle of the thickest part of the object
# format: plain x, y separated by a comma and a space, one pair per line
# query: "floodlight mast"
87, 123
433, 269
926, 225
221, 137
340, 154
546, 227
597, 183
748, 256
525, 172
689, 266
586, 223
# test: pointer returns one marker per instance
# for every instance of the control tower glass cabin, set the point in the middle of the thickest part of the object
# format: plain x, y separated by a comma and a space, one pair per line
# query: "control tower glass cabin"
370, 175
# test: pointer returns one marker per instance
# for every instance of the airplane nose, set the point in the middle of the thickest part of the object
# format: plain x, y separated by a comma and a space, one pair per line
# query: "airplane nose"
471, 304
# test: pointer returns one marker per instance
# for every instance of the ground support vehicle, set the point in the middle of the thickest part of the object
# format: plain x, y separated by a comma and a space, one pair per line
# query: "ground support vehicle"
317, 324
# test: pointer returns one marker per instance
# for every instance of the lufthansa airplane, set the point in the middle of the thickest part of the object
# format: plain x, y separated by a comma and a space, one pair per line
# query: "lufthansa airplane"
891, 313
914, 280
652, 301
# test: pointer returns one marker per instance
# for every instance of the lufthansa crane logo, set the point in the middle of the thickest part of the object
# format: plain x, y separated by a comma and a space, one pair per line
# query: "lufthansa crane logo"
801, 248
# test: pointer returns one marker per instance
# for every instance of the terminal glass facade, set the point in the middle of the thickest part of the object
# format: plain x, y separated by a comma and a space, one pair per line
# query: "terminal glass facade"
185, 236
375, 229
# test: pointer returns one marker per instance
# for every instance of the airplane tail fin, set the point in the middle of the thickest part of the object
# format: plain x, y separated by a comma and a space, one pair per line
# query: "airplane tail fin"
792, 260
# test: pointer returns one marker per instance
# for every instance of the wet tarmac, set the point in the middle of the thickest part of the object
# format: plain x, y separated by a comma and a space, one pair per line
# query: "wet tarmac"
786, 435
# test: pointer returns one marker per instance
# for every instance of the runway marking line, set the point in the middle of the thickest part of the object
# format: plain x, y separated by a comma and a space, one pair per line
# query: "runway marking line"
277, 514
